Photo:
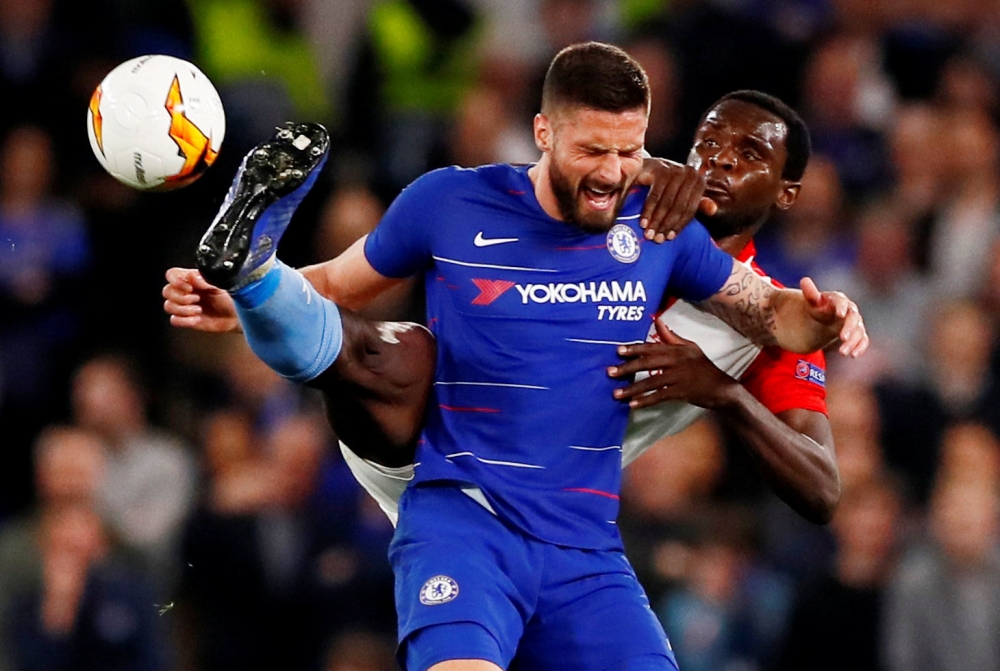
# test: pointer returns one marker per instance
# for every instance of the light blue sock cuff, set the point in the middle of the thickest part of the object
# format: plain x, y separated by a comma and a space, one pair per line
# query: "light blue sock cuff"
289, 326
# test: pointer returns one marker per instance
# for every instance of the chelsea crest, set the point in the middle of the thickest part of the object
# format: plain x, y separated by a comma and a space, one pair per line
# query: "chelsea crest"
439, 589
623, 243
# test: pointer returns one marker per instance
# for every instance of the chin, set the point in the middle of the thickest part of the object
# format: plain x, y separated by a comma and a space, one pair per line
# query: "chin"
595, 225
724, 224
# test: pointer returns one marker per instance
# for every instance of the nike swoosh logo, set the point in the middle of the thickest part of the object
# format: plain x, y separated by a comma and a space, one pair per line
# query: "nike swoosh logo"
480, 241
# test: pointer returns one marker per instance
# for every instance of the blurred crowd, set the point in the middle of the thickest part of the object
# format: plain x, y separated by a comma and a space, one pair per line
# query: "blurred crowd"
168, 503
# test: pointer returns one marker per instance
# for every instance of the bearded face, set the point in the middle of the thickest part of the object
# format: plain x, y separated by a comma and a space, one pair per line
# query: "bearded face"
593, 159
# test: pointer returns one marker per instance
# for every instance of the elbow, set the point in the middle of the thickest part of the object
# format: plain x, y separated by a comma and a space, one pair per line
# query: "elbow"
825, 503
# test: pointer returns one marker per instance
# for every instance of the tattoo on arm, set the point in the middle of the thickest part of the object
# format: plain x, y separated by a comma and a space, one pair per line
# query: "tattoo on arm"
745, 304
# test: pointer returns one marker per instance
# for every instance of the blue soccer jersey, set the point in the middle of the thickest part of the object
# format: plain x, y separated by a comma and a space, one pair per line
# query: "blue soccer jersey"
527, 311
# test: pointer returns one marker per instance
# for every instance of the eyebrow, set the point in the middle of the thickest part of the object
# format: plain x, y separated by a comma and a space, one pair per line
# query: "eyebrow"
605, 148
759, 143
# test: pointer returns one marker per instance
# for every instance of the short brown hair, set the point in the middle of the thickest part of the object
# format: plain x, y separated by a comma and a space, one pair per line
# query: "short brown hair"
596, 76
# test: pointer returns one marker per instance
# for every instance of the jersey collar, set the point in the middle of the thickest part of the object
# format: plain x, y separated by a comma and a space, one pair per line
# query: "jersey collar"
747, 253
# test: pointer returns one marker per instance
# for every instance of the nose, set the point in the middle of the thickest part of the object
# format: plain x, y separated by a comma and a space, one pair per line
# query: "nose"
610, 169
725, 158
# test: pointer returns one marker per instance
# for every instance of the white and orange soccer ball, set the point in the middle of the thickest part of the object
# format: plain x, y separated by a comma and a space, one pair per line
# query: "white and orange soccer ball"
156, 122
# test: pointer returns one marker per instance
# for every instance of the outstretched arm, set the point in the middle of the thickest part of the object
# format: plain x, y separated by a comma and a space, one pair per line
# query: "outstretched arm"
348, 280
794, 449
799, 321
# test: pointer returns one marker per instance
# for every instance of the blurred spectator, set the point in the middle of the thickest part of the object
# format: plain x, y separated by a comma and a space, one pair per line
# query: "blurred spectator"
351, 212
846, 605
274, 565
361, 651
664, 136
967, 85
968, 220
661, 493
415, 63
799, 548
814, 238
958, 387
893, 296
731, 610
943, 609
846, 102
45, 254
484, 132
265, 68
89, 611
69, 470
856, 426
916, 134
221, 372
970, 452
149, 486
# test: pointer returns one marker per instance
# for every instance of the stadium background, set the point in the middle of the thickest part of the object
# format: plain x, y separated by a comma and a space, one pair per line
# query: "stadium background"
168, 503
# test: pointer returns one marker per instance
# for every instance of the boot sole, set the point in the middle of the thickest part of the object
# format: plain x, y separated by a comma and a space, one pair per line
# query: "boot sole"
275, 169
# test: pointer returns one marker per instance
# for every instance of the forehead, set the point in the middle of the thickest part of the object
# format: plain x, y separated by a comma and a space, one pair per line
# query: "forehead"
583, 124
746, 120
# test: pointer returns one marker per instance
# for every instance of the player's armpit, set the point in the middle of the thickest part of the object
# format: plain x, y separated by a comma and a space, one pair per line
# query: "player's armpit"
349, 280
744, 302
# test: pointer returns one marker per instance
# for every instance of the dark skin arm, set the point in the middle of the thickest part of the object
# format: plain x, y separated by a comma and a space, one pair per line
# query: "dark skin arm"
377, 389
794, 449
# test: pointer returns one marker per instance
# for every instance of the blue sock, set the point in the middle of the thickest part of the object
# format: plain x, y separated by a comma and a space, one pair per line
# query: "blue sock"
289, 326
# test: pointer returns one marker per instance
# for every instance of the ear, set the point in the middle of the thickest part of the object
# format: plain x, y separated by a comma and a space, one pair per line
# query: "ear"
788, 194
543, 133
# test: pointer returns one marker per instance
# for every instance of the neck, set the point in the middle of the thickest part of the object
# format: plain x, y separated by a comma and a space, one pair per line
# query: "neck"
734, 243
546, 197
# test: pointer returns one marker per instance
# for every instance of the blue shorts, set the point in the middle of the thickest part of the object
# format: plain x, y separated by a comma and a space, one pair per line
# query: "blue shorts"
469, 586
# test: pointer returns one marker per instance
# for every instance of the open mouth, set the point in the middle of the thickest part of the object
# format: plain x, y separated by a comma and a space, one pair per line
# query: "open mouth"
600, 199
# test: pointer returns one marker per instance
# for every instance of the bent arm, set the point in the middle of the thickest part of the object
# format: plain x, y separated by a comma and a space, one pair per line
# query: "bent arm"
770, 316
793, 449
349, 280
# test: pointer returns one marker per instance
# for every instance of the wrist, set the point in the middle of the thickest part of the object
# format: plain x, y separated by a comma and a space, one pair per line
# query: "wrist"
730, 397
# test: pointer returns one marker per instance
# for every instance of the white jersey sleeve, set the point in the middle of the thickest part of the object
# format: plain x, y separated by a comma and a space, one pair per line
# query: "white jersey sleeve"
726, 348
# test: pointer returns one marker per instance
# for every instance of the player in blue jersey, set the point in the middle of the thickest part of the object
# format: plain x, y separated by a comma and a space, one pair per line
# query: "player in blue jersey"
506, 538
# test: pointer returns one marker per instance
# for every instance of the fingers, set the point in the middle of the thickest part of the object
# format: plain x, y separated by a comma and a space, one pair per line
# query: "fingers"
646, 400
174, 308
643, 386
666, 335
853, 334
652, 198
708, 207
663, 207
811, 292
677, 206
188, 279
642, 363
184, 322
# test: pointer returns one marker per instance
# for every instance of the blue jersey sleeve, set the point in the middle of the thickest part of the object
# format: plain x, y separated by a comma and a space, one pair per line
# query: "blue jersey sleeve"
701, 268
400, 246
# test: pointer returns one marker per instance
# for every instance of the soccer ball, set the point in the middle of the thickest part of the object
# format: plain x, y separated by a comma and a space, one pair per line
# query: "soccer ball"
156, 123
